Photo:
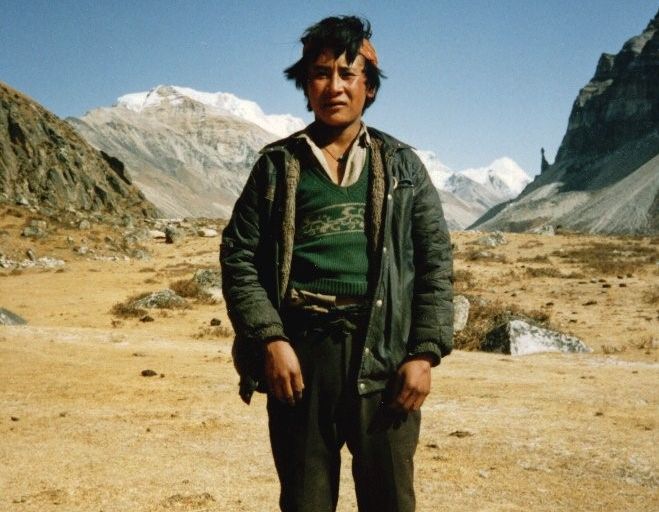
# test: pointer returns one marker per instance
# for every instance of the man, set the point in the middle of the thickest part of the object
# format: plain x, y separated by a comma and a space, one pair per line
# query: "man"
337, 272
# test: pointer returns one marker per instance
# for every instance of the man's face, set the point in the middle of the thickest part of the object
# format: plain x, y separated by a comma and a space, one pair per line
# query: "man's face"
337, 89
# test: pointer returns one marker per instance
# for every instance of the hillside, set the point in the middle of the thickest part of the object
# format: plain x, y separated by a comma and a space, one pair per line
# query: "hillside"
606, 175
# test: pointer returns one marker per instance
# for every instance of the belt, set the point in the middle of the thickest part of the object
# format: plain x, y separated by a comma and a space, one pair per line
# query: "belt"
319, 302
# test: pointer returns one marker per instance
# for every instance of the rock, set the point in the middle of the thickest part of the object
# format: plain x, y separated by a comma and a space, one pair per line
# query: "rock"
146, 318
21, 201
173, 235
156, 233
207, 232
518, 337
82, 250
460, 312
492, 239
148, 373
208, 278
210, 281
546, 230
164, 299
216, 322
36, 229
30, 254
9, 318
84, 224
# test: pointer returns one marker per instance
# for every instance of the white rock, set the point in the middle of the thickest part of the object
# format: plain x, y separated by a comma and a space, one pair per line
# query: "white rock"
519, 338
207, 232
460, 312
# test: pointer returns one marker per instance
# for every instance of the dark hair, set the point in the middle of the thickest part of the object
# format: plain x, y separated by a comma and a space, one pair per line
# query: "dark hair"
339, 34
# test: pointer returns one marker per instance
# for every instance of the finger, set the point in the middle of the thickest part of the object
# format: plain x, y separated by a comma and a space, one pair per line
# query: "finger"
298, 385
287, 390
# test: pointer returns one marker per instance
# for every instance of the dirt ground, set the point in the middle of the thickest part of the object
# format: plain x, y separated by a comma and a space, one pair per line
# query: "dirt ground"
82, 430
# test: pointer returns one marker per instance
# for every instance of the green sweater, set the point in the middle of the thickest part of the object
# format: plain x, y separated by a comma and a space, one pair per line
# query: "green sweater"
330, 250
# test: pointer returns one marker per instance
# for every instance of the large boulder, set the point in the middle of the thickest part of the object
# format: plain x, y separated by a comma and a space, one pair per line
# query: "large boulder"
164, 299
518, 337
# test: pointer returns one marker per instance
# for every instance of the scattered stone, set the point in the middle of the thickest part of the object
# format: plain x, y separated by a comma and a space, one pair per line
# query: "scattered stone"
207, 232
590, 303
9, 318
146, 318
622, 285
84, 225
21, 201
148, 373
173, 235
215, 322
164, 299
461, 433
606, 285
30, 254
82, 250
156, 233
492, 239
460, 312
14, 418
518, 337
33, 232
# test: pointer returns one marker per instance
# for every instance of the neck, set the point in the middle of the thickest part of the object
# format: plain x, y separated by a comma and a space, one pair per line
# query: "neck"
340, 136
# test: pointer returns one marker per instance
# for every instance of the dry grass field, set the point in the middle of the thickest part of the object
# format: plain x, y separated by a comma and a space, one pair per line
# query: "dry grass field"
81, 429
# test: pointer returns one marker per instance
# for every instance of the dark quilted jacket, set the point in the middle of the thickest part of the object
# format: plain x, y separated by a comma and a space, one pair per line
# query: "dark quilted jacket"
411, 294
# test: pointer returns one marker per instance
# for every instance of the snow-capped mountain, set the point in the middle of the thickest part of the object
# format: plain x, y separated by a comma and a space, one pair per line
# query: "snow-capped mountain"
503, 174
219, 103
189, 152
478, 189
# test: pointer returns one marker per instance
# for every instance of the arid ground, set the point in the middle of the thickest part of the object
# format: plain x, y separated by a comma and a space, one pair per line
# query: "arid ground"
82, 430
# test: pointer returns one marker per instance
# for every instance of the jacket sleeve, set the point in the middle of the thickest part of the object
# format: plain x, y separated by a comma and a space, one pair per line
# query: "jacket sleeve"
250, 309
432, 305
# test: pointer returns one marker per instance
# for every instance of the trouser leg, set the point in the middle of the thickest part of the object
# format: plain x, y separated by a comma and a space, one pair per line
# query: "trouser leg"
383, 446
305, 441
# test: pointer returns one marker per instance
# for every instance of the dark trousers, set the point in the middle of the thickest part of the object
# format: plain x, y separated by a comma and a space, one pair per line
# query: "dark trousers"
307, 438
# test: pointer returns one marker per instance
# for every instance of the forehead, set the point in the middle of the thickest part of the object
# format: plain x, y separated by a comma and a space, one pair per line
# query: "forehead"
326, 58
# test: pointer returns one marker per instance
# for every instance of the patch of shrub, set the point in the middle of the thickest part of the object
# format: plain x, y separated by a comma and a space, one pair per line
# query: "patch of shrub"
463, 279
190, 289
479, 254
538, 258
543, 272
651, 296
485, 316
128, 309
609, 258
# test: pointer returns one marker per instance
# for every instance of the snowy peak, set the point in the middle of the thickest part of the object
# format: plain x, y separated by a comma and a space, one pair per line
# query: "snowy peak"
218, 103
501, 174
439, 173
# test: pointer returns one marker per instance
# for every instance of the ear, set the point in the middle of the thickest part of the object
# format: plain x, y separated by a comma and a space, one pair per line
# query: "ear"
370, 92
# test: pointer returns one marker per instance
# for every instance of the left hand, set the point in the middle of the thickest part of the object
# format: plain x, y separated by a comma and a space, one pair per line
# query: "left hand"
412, 384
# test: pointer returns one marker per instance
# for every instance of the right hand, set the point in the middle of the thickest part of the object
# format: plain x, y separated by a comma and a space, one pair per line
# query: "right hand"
282, 371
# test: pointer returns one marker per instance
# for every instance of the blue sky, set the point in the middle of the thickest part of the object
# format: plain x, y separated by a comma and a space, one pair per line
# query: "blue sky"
469, 80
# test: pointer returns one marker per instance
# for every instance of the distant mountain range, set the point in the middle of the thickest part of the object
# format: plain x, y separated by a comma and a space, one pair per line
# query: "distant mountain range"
191, 152
606, 175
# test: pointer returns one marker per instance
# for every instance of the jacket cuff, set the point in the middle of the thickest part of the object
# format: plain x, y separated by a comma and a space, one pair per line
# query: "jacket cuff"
269, 333
427, 347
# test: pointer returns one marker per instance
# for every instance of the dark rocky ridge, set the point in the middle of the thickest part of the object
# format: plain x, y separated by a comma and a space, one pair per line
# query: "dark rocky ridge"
44, 163
605, 178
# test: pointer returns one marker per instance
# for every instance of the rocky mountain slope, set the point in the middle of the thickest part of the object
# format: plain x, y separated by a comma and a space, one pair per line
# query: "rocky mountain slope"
45, 164
606, 175
190, 152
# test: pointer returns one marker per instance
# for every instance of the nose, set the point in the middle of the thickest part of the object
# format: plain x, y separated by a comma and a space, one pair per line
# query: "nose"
335, 82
